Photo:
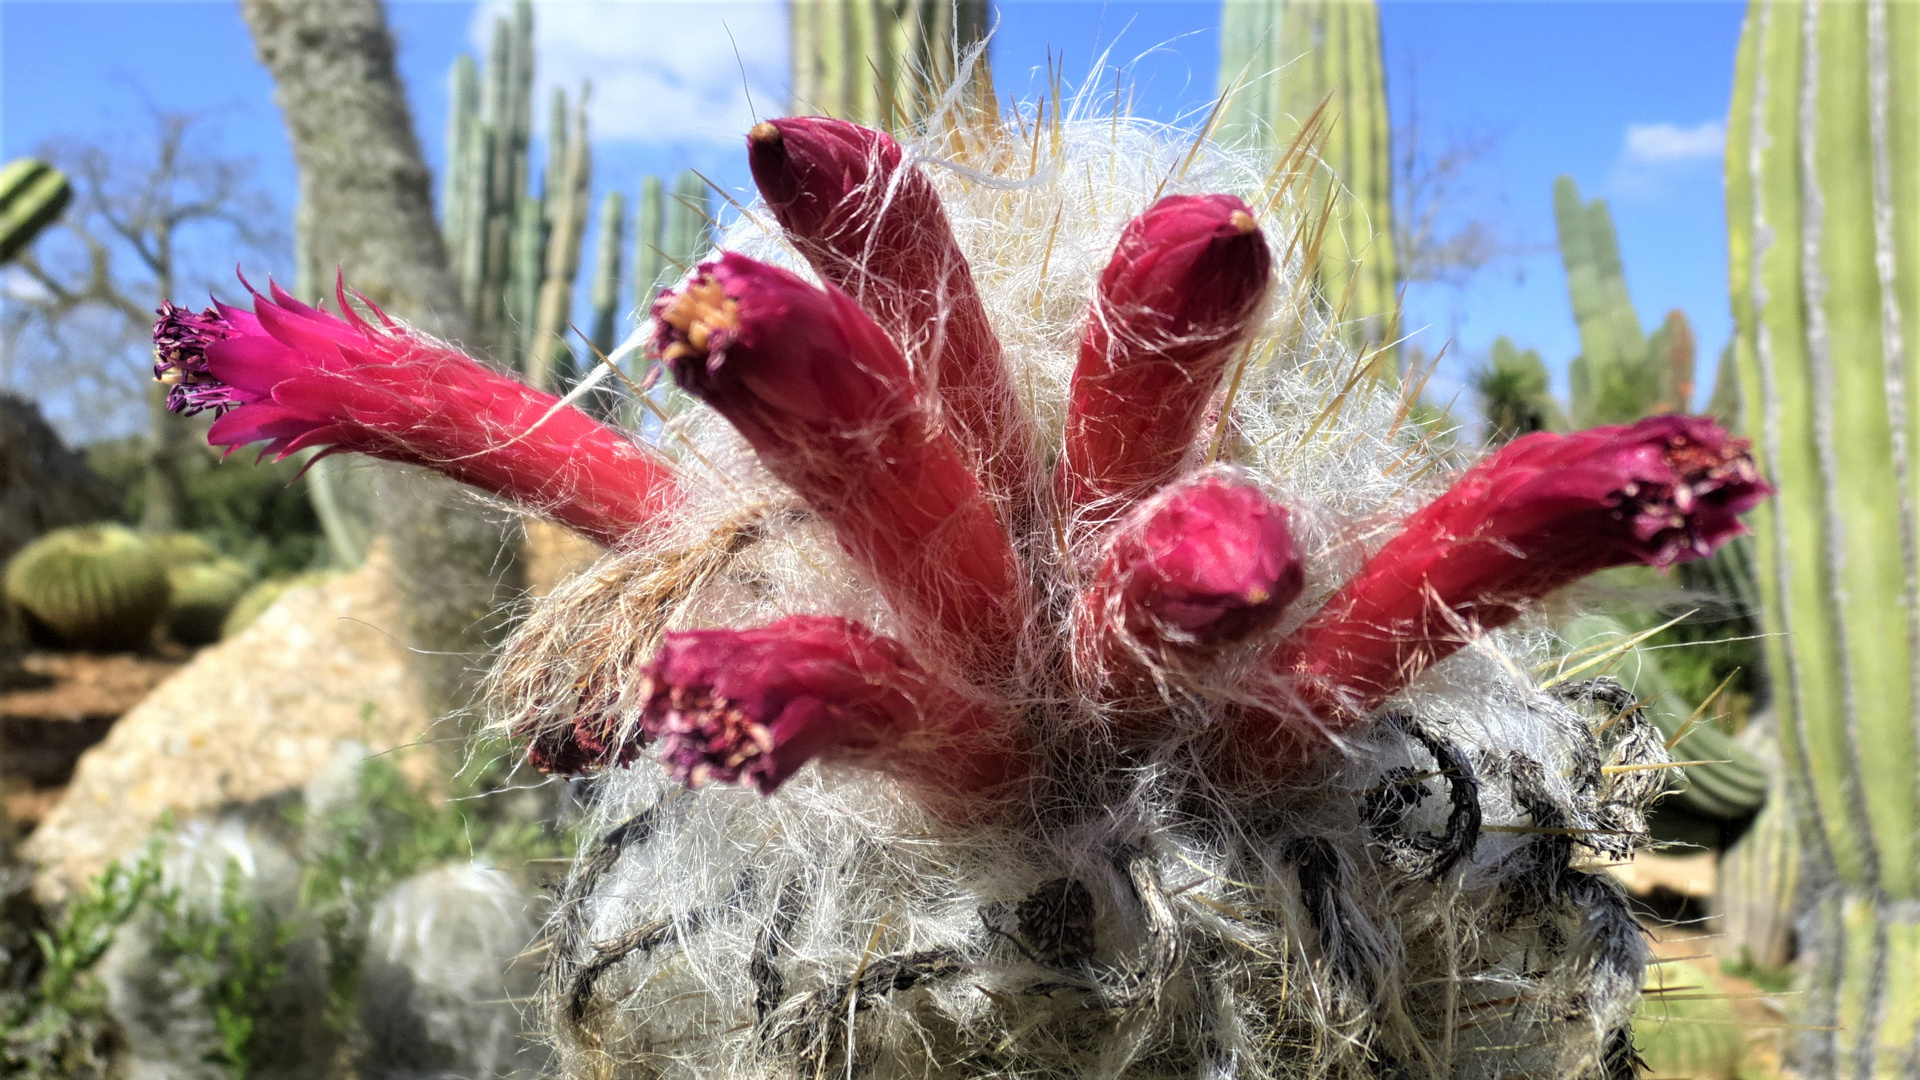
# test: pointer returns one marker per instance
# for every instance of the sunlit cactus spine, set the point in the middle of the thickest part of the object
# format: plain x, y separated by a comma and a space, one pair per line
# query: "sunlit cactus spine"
1621, 373
1823, 174
33, 194
89, 587
1279, 60
881, 64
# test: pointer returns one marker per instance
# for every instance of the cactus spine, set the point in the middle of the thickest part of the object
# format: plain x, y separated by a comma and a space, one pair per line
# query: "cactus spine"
1279, 59
1823, 208
883, 63
1621, 374
32, 196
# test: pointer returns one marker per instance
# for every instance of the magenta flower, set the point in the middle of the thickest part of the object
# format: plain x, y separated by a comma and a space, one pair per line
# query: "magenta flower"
1177, 298
828, 404
1540, 513
294, 376
753, 706
877, 230
1204, 567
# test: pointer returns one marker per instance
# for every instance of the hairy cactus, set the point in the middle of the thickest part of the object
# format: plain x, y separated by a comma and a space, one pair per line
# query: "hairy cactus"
1279, 59
89, 587
880, 64
200, 597
1822, 166
32, 196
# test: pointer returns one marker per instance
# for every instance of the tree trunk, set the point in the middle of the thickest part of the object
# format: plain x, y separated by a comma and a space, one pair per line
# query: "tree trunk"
370, 210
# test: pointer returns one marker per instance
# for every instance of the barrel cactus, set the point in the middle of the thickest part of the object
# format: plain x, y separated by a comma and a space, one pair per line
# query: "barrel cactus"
202, 595
89, 587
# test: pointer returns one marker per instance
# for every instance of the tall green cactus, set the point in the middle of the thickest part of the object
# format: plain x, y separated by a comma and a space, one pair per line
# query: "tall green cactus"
488, 130
567, 190
649, 244
689, 222
884, 63
1278, 60
605, 294
1823, 211
32, 196
1621, 374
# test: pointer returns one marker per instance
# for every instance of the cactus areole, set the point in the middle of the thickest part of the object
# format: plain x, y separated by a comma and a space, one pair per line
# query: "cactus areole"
1077, 667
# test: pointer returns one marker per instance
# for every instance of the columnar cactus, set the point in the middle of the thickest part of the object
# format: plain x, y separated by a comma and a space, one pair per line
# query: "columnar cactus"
1621, 374
1278, 60
32, 196
1823, 170
605, 293
569, 179
879, 63
649, 243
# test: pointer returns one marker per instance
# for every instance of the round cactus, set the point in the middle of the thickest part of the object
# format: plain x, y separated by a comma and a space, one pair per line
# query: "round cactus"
90, 587
183, 548
203, 594
256, 600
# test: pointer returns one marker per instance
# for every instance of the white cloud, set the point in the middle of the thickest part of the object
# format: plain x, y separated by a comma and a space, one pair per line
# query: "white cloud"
662, 70
1662, 144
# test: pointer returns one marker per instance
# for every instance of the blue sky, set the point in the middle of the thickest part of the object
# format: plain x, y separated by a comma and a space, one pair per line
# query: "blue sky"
1625, 97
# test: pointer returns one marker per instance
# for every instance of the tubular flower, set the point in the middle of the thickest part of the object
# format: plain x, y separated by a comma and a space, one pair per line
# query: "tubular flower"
753, 706
1540, 513
828, 404
294, 376
876, 228
1207, 565
1176, 299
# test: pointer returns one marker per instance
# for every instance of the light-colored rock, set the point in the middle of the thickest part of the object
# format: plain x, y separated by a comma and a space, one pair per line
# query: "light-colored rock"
251, 718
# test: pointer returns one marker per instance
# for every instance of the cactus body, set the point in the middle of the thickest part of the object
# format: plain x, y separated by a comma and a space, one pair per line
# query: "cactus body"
32, 196
1515, 398
880, 64
1278, 59
200, 597
649, 244
1823, 213
569, 177
606, 272
1684, 1028
90, 587
689, 222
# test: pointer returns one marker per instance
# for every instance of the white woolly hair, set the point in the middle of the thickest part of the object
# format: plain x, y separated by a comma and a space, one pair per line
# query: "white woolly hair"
1416, 906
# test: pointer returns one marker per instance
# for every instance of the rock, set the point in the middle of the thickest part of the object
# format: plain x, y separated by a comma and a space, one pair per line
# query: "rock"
250, 719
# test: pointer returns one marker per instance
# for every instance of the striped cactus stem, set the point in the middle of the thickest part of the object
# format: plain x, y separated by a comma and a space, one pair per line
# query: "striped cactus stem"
1686, 1026
529, 265
32, 196
649, 244
1760, 873
885, 65
569, 180
689, 222
605, 293
489, 125
1279, 59
1823, 215
457, 187
1606, 375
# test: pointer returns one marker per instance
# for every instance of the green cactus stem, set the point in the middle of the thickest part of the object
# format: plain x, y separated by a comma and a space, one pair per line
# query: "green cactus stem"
33, 194
880, 64
569, 176
200, 597
1279, 59
649, 244
1823, 222
689, 223
458, 186
1685, 1027
98, 587
605, 292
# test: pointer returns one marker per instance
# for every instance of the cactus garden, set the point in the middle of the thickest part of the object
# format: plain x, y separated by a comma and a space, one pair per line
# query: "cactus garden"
1248, 540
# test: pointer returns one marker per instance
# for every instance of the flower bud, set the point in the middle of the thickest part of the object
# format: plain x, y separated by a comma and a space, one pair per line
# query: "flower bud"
827, 403
1540, 513
753, 706
1204, 567
875, 227
1175, 301
293, 376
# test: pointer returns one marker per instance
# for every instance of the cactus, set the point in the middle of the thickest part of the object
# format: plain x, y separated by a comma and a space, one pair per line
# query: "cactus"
200, 597
488, 129
606, 272
649, 244
32, 196
1279, 59
569, 176
90, 587
1621, 373
880, 64
1514, 396
689, 222
1685, 1027
1823, 174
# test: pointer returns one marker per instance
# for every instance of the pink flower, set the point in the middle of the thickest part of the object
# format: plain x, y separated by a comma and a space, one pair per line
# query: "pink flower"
295, 376
1540, 513
753, 706
876, 228
1177, 298
827, 403
1202, 568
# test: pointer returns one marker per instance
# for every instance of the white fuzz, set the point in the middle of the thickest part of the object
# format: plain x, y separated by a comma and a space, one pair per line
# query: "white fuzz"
1406, 909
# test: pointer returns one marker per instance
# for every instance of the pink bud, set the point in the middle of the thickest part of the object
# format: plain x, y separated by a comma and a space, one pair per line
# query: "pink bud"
1540, 513
1205, 566
1177, 298
877, 230
827, 403
753, 706
294, 376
